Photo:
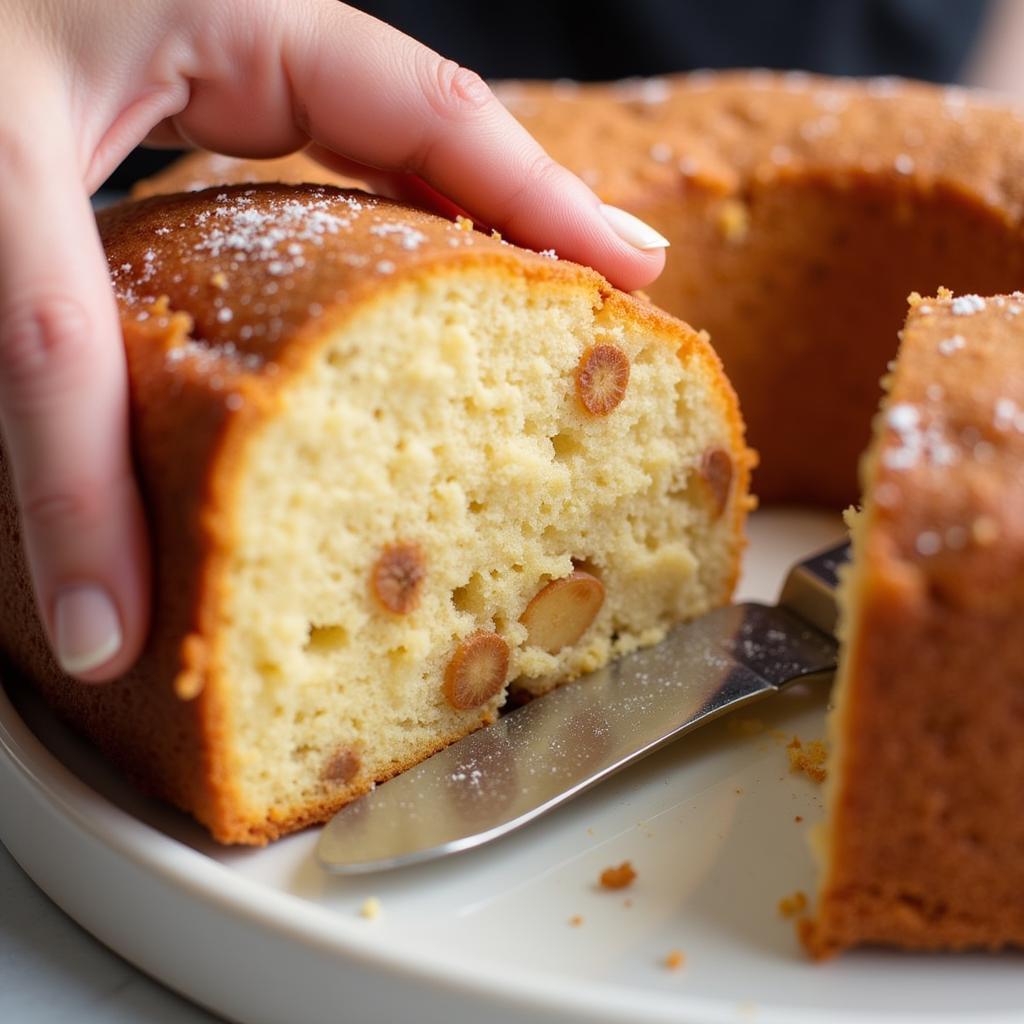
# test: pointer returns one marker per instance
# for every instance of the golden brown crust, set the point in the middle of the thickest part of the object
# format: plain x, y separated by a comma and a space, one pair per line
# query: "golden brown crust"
267, 274
925, 832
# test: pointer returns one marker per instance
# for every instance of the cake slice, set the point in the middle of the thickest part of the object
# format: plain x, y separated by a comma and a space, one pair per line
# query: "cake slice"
394, 466
923, 846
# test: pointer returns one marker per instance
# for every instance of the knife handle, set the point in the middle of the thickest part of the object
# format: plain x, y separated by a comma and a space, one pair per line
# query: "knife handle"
810, 588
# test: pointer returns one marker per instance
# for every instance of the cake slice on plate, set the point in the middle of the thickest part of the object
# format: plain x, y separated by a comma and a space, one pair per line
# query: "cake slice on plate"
393, 467
924, 843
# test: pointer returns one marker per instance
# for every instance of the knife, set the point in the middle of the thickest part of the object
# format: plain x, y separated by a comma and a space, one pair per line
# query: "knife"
539, 756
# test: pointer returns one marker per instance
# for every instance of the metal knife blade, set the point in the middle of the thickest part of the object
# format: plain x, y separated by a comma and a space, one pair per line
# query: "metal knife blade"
543, 754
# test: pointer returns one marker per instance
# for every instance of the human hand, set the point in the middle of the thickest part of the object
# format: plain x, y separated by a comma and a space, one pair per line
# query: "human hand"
85, 82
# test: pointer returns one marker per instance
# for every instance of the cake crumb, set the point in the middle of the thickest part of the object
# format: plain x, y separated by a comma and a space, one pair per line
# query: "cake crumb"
618, 878
798, 818
675, 959
575, 921
220, 280
807, 758
463, 223
791, 906
370, 909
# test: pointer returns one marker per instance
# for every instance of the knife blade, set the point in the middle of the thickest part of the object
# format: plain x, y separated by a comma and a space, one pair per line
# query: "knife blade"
539, 756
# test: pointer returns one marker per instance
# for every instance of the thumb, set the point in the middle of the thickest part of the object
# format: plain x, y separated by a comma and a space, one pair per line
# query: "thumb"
64, 405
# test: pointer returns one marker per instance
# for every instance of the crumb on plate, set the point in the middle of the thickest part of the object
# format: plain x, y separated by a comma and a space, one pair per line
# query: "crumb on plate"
808, 758
618, 878
370, 909
791, 906
675, 959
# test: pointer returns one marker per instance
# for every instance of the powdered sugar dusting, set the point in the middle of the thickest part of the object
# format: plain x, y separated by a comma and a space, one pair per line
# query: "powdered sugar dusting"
916, 441
831, 100
827, 124
238, 229
967, 305
883, 87
904, 163
405, 235
1008, 416
206, 357
647, 90
947, 346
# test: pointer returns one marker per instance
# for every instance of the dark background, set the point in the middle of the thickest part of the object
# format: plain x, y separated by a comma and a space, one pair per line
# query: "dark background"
605, 39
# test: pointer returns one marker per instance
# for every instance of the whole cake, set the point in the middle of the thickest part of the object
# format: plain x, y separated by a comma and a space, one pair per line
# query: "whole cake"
392, 466
801, 210
924, 842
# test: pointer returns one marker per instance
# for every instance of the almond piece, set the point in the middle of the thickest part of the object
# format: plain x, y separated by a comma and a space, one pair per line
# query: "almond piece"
477, 671
601, 378
716, 475
343, 767
562, 611
397, 577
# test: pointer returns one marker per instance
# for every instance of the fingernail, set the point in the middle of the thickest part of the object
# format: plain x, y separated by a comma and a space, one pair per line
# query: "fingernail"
632, 229
87, 627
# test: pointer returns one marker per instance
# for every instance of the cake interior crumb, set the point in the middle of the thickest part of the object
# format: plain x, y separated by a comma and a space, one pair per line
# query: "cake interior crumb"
808, 758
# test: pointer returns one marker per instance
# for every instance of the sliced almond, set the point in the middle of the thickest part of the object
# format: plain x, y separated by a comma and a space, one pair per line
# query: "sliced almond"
397, 577
563, 611
343, 767
716, 475
602, 378
477, 671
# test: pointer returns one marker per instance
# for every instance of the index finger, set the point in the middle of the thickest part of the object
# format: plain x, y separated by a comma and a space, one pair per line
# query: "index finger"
370, 93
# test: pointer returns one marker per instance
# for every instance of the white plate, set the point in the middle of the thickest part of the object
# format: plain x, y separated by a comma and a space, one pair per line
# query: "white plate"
709, 824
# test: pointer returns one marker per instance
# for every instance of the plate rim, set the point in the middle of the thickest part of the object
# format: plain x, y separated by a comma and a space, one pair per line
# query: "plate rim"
207, 881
